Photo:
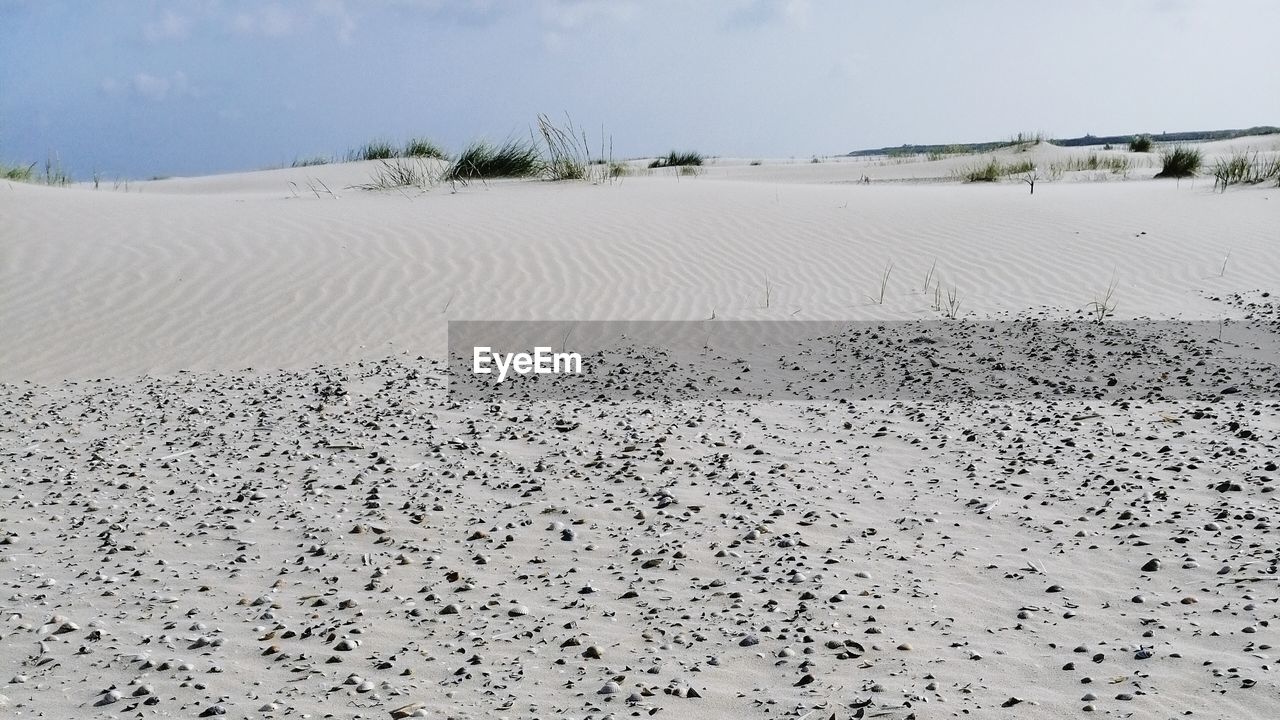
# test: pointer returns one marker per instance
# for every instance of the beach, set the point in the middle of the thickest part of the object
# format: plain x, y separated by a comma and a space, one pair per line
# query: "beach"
238, 484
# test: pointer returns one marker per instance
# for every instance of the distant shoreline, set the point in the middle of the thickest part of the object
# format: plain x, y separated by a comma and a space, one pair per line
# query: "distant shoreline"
1188, 136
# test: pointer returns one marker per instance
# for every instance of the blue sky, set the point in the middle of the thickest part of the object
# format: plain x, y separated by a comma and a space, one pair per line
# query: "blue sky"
137, 88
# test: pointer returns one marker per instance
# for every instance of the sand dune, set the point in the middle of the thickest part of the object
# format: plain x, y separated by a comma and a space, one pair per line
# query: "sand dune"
236, 485
235, 271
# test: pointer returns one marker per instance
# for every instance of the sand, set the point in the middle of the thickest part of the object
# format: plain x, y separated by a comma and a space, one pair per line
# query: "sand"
236, 485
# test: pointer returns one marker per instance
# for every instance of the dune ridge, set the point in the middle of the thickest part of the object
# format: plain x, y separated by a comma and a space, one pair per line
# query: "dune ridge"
195, 274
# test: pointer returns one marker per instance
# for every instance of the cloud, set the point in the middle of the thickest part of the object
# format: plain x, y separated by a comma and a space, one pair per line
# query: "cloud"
577, 14
797, 12
472, 13
274, 20
335, 11
845, 68
169, 26
752, 14
565, 18
269, 20
154, 88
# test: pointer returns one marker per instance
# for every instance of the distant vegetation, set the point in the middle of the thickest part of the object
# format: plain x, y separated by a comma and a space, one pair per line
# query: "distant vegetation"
948, 151
1025, 138
1176, 137
1180, 162
677, 159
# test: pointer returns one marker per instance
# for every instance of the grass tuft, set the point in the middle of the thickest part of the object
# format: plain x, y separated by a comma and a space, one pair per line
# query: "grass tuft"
1180, 162
1024, 141
18, 172
423, 148
994, 170
481, 160
399, 173
54, 174
568, 154
310, 161
1115, 164
1141, 143
373, 150
678, 159
1104, 304
1246, 168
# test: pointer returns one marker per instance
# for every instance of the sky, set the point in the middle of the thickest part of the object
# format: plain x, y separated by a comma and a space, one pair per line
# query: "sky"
137, 88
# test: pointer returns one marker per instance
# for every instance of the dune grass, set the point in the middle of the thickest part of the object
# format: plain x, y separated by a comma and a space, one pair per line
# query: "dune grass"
373, 150
54, 174
884, 285
568, 155
990, 172
1104, 304
51, 173
310, 161
481, 160
1093, 161
552, 152
1246, 168
994, 170
678, 159
1024, 141
949, 151
1180, 162
1141, 143
19, 173
423, 148
399, 173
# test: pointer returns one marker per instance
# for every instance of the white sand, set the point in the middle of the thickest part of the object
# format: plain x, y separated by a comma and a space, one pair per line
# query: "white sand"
232, 271
195, 518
